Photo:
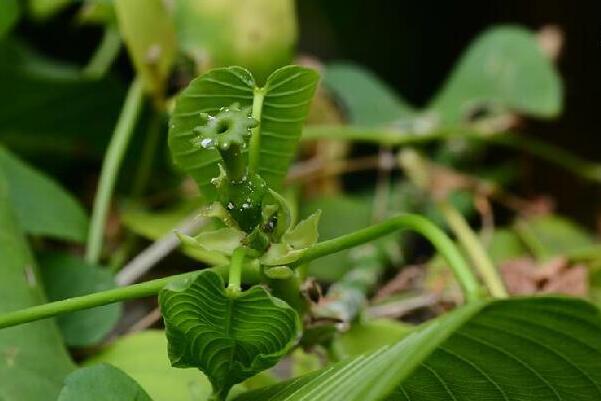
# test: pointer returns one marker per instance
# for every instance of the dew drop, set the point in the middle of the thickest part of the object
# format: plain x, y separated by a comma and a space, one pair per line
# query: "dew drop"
206, 143
230, 205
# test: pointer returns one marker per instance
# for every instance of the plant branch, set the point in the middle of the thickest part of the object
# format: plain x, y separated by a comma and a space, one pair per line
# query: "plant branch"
472, 246
389, 136
105, 53
417, 223
110, 168
235, 272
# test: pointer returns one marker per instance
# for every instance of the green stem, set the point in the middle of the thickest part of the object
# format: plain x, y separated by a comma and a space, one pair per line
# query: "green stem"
417, 223
235, 271
142, 290
472, 246
110, 168
234, 162
576, 165
255, 139
105, 53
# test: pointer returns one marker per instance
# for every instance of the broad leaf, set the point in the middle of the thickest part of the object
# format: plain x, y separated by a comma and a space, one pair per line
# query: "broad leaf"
33, 360
368, 100
230, 337
150, 38
41, 205
257, 34
101, 383
517, 349
503, 69
557, 235
67, 276
142, 356
285, 103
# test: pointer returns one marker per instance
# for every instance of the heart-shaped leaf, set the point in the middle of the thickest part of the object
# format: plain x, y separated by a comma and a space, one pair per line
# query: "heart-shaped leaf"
517, 349
281, 107
229, 337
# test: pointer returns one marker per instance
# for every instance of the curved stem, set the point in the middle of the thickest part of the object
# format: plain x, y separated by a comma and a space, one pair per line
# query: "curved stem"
417, 223
235, 272
255, 139
470, 242
110, 168
583, 168
105, 53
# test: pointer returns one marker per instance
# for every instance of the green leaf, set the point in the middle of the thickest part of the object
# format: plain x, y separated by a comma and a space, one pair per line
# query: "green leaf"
367, 99
503, 68
33, 360
558, 235
229, 337
305, 233
41, 205
142, 356
370, 335
101, 383
150, 38
9, 15
505, 245
45, 9
67, 276
257, 34
518, 349
285, 103
224, 240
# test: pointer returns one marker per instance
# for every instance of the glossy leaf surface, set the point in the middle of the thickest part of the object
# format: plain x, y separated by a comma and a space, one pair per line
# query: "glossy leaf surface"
518, 349
285, 104
101, 383
230, 337
41, 205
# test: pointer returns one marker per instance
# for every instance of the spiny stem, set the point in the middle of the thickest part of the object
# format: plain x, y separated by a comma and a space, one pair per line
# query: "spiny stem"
414, 222
255, 139
110, 168
472, 246
235, 272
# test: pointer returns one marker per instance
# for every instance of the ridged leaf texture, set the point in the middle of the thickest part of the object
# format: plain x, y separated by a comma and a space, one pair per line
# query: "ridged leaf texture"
286, 98
519, 349
228, 337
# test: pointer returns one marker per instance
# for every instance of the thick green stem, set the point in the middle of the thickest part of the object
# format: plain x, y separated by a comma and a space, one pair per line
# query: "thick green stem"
234, 162
255, 139
576, 165
105, 54
235, 271
417, 223
472, 246
110, 168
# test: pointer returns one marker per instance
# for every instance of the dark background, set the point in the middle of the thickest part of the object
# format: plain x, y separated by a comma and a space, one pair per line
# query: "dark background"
414, 44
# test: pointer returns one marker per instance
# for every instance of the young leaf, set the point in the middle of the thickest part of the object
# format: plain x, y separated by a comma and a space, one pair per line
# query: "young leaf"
41, 205
528, 348
33, 360
224, 240
101, 383
228, 337
505, 68
281, 108
142, 357
67, 276
367, 99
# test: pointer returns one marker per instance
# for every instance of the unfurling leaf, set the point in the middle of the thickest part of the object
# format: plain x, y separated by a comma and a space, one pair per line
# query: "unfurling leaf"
294, 242
225, 240
228, 337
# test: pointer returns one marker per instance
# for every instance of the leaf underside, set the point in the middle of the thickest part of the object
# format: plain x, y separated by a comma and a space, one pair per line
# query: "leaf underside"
287, 97
228, 338
519, 349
